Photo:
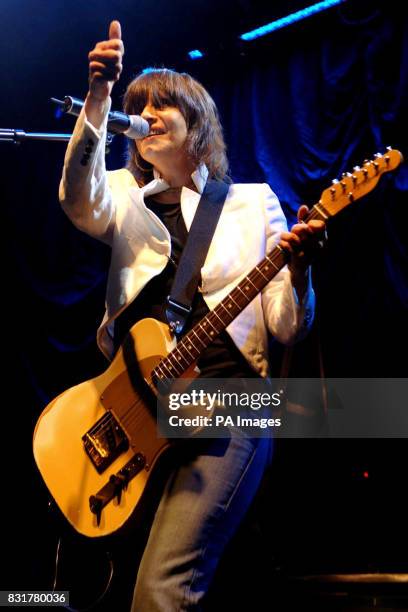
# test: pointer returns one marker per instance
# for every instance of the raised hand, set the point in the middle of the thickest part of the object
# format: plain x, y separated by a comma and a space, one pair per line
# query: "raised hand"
105, 64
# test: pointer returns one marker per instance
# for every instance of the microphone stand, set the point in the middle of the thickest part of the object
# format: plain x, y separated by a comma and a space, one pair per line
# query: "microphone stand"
18, 136
69, 105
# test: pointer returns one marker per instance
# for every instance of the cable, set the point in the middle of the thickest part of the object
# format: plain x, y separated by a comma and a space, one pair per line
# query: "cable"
101, 596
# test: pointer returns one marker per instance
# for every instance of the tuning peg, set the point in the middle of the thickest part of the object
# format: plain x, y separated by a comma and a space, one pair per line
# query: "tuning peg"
389, 148
335, 181
352, 177
376, 166
332, 192
378, 155
356, 168
365, 172
343, 186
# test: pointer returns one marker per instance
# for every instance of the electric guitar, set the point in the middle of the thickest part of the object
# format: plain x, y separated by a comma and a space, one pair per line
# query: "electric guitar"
96, 445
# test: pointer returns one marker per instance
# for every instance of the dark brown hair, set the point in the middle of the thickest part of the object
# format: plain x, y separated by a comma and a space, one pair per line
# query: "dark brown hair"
164, 87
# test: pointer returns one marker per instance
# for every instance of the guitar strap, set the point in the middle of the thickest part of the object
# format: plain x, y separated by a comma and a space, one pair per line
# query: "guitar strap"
192, 259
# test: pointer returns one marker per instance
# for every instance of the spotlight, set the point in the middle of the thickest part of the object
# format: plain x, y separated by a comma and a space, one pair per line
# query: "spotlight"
289, 19
195, 54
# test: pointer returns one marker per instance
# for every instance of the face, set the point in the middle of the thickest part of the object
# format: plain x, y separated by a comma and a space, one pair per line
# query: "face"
167, 137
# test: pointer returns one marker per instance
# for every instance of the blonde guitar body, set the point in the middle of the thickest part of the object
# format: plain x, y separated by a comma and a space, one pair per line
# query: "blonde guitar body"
68, 470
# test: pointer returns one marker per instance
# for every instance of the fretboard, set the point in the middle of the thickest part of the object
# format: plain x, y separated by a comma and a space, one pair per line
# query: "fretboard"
190, 347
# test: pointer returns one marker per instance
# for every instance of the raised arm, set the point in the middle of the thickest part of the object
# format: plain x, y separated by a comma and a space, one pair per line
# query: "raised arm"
84, 192
105, 67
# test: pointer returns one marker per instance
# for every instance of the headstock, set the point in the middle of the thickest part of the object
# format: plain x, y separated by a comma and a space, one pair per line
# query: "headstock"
356, 184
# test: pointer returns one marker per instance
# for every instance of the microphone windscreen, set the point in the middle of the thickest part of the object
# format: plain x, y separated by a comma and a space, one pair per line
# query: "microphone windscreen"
139, 127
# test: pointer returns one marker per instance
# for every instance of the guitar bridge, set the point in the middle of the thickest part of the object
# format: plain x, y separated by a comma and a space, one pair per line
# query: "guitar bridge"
104, 442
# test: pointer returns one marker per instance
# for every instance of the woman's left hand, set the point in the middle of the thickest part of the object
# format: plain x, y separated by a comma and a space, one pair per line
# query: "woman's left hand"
302, 243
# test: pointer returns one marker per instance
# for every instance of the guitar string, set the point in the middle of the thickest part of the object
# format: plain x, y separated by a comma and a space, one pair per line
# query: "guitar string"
273, 256
112, 419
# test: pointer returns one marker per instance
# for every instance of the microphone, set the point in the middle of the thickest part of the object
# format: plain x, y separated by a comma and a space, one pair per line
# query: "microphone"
133, 126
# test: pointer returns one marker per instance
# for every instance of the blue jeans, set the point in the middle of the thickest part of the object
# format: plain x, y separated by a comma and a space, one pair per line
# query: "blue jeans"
204, 501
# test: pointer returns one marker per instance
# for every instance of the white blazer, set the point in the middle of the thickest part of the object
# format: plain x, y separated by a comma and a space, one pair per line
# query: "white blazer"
110, 206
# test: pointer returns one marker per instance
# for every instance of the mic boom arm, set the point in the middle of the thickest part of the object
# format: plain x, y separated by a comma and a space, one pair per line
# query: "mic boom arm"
133, 126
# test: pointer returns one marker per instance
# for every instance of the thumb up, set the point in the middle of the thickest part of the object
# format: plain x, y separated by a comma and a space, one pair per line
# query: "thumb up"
105, 63
115, 31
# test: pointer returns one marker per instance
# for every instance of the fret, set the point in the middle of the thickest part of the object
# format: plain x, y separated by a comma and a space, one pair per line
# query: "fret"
237, 299
193, 332
160, 366
164, 365
187, 340
169, 368
261, 273
244, 294
215, 313
266, 267
259, 280
186, 345
192, 356
207, 318
167, 360
256, 288
272, 263
226, 310
180, 355
232, 300
176, 367
202, 327
156, 372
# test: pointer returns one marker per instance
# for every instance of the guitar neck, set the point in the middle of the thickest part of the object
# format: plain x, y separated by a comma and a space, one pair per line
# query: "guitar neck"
189, 349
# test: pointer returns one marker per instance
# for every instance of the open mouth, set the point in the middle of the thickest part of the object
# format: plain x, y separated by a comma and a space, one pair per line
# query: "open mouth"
153, 134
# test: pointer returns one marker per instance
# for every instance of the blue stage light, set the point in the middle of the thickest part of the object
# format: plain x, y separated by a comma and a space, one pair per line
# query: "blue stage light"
289, 19
195, 54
